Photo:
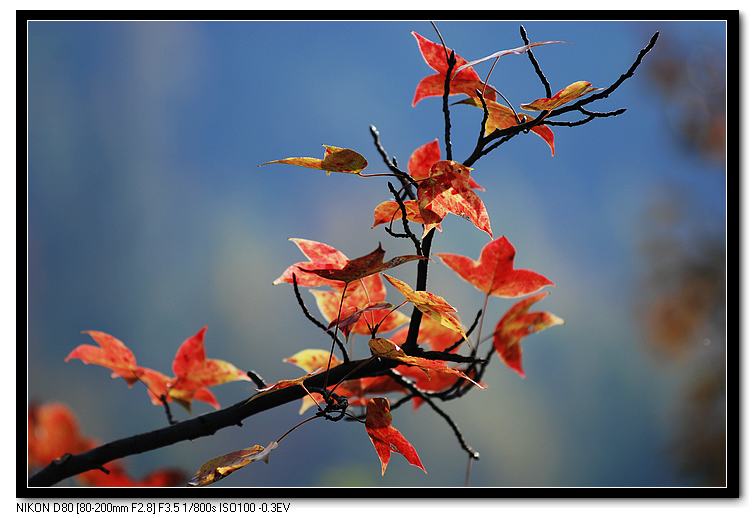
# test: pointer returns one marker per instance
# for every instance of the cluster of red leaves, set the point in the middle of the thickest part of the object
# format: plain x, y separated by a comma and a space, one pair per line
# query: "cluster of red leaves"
193, 371
355, 281
352, 297
444, 187
464, 82
494, 275
54, 431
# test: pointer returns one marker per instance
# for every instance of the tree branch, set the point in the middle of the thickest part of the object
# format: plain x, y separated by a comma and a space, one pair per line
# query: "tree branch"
201, 426
512, 131
406, 180
404, 219
446, 111
454, 427
535, 64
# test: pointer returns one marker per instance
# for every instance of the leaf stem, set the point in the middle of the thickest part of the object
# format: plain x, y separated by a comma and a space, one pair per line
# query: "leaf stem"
333, 344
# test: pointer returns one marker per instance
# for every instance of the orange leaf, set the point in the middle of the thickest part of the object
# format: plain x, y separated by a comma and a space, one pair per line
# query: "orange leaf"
388, 211
312, 360
111, 354
424, 158
320, 255
386, 349
434, 306
54, 431
194, 372
563, 96
336, 160
283, 384
119, 477
385, 438
502, 117
363, 266
366, 292
220, 467
493, 273
448, 189
518, 323
465, 82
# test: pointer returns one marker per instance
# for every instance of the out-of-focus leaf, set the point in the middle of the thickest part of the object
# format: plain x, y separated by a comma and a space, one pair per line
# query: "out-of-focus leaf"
117, 476
54, 431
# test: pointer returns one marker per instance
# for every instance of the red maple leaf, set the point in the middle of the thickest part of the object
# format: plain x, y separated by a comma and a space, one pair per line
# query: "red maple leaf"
419, 165
363, 266
465, 82
110, 353
493, 273
359, 295
448, 188
320, 256
195, 372
385, 438
54, 431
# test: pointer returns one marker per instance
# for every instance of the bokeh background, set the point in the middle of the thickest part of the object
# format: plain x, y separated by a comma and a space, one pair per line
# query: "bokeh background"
148, 218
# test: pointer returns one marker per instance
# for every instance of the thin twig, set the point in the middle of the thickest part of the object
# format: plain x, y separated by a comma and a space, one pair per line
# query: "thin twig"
166, 406
297, 426
406, 180
500, 136
469, 330
333, 345
535, 64
446, 111
256, 379
418, 393
316, 322
440, 36
405, 219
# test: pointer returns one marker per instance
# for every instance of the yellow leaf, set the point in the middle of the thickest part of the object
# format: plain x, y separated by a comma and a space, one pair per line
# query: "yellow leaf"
220, 467
336, 160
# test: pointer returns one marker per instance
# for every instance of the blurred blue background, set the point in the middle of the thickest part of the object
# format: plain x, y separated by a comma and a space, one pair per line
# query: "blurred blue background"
148, 218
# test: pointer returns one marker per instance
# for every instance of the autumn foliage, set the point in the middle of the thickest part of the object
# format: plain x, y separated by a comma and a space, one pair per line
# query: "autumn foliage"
353, 299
